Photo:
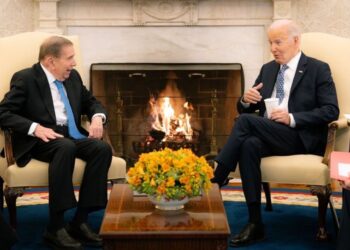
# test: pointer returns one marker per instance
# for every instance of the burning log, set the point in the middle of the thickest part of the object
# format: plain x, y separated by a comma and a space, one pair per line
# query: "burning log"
157, 134
149, 146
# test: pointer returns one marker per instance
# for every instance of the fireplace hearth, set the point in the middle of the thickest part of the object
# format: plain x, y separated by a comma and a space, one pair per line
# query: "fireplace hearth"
152, 106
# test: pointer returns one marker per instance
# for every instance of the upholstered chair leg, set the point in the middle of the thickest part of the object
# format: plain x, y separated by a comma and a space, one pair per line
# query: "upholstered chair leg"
323, 193
11, 195
1, 194
267, 191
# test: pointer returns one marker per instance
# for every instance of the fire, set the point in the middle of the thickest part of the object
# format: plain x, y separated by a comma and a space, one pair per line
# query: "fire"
165, 119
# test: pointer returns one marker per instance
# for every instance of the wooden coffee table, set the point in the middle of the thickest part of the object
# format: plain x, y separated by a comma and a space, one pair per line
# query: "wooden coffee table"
132, 222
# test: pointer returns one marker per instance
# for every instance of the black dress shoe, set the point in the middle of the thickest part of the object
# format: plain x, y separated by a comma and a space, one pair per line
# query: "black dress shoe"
251, 233
84, 234
61, 240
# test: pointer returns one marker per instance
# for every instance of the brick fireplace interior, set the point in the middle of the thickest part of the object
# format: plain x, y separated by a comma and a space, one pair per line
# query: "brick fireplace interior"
129, 92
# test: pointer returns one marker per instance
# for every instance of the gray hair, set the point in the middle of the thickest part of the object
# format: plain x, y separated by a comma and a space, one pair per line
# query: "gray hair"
292, 28
52, 46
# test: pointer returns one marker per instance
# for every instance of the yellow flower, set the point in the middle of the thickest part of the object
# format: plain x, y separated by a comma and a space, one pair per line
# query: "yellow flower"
174, 174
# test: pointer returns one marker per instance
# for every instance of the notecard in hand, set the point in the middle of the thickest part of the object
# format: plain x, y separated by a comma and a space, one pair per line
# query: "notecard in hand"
340, 165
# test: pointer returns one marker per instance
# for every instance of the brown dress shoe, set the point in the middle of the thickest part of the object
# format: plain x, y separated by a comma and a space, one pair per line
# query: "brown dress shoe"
251, 233
61, 240
84, 234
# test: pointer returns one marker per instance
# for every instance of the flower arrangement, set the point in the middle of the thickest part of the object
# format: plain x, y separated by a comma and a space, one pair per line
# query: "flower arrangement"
170, 174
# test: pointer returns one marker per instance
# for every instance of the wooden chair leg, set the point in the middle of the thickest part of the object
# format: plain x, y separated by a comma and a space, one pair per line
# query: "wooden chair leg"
11, 195
323, 193
334, 215
267, 191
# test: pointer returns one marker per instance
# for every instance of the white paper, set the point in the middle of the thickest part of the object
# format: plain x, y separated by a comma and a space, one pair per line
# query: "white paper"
344, 169
347, 116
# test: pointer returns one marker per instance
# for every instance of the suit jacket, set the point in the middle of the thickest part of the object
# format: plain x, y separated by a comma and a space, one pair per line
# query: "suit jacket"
29, 100
312, 101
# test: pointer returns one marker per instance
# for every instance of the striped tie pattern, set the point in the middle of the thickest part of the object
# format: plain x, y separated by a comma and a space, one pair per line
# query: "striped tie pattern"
280, 83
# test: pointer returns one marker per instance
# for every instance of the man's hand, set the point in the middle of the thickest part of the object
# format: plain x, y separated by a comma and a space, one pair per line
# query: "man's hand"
96, 128
281, 116
46, 134
253, 95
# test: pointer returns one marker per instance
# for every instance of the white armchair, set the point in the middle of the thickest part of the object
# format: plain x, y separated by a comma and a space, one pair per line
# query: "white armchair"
18, 52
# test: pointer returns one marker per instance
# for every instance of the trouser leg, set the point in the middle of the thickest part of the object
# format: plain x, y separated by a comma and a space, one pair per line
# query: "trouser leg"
252, 150
60, 154
98, 156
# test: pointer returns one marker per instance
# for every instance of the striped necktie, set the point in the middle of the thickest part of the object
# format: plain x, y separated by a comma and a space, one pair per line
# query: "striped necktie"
72, 127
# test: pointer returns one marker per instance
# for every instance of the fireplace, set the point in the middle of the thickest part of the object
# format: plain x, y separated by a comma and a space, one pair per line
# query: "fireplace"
152, 106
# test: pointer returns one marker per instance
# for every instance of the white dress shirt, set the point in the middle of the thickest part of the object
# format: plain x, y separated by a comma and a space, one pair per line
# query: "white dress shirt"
288, 80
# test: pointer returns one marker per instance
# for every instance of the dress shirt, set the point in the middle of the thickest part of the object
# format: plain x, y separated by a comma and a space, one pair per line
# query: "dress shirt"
288, 80
60, 111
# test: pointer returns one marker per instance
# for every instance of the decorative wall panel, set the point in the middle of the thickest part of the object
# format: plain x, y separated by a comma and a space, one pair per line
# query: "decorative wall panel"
16, 16
330, 16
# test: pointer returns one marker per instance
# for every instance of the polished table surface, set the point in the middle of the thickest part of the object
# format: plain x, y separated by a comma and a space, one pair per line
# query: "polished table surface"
133, 222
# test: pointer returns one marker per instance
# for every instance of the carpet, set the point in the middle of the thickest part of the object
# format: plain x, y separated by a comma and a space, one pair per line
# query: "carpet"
291, 225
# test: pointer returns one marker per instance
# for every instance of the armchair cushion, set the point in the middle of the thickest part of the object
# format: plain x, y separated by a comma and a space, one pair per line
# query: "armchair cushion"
306, 169
34, 174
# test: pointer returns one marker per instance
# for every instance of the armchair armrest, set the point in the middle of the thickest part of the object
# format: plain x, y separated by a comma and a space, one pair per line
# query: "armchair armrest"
332, 129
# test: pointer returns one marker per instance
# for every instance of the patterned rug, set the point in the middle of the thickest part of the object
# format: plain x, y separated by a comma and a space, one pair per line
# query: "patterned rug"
35, 196
282, 196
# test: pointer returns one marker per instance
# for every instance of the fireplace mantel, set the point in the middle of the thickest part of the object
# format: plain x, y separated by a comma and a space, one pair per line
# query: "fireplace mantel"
59, 14
158, 31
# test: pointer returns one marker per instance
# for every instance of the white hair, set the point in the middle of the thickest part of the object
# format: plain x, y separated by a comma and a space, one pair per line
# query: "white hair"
292, 28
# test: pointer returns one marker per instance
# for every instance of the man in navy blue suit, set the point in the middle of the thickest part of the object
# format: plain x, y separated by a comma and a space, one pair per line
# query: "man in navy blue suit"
307, 103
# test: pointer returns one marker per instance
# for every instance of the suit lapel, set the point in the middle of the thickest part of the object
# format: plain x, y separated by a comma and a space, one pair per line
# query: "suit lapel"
270, 80
44, 89
299, 73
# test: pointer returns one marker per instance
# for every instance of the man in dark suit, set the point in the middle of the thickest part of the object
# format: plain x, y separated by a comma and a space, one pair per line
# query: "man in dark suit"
307, 103
344, 232
43, 110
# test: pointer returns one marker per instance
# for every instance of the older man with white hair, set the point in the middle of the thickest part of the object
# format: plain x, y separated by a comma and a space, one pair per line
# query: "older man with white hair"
307, 102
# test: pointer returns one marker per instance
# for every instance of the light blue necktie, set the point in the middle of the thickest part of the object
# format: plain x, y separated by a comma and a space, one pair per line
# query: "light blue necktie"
280, 83
72, 127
